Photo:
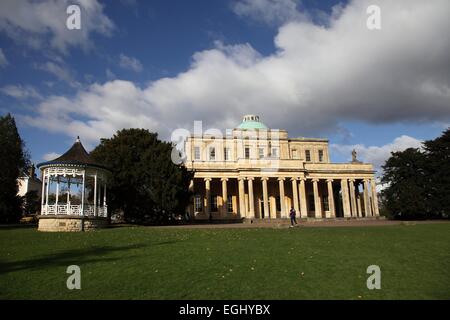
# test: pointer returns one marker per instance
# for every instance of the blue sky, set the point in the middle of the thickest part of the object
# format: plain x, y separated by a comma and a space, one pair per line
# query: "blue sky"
162, 65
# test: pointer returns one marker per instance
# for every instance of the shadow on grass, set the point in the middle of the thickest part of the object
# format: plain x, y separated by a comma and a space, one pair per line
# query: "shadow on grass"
69, 257
17, 226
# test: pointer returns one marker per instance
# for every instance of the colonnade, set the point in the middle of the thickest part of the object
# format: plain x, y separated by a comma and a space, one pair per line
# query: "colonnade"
310, 197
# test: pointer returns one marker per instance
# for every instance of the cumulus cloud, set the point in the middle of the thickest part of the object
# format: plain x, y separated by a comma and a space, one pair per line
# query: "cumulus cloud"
42, 23
130, 63
272, 12
50, 156
377, 155
21, 92
318, 77
3, 60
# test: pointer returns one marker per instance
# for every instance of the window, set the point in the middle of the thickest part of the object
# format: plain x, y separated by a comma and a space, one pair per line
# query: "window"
294, 154
212, 154
247, 153
261, 153
214, 206
226, 154
197, 203
320, 155
275, 152
308, 155
197, 153
230, 204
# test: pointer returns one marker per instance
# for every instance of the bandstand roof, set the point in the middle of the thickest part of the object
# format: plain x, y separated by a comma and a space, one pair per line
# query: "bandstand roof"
75, 156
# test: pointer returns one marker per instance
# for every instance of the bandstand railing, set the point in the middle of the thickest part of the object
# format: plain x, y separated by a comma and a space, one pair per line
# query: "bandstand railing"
74, 210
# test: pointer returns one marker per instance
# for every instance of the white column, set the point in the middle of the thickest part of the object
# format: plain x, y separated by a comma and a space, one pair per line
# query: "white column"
95, 194
224, 196
345, 198
251, 198
332, 208
367, 209
373, 186
104, 194
105, 210
208, 196
46, 192
358, 200
317, 204
353, 205
303, 204
242, 209
68, 195
99, 198
295, 195
265, 197
83, 192
57, 194
282, 200
43, 189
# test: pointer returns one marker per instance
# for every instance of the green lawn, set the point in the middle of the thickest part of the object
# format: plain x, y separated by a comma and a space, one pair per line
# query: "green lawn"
300, 263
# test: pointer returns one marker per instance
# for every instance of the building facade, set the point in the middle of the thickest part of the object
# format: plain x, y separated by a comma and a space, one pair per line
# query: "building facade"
254, 172
29, 181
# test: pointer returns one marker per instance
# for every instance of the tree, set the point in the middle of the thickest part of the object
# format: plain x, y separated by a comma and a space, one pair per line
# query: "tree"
14, 160
406, 194
438, 171
145, 183
418, 181
30, 203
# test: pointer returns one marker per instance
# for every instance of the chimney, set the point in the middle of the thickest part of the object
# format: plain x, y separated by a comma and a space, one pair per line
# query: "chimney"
32, 171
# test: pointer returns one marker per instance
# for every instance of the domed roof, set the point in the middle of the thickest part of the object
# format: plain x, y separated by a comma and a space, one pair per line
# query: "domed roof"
76, 155
251, 122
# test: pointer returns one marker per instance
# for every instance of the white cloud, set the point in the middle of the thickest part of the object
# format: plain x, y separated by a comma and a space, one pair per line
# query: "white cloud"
20, 92
317, 78
3, 60
60, 72
42, 23
377, 155
130, 63
272, 12
50, 156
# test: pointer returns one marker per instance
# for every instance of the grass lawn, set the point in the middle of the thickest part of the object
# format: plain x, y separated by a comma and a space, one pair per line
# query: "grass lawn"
165, 263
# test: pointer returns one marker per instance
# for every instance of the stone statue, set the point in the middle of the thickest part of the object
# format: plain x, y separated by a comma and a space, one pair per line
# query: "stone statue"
354, 160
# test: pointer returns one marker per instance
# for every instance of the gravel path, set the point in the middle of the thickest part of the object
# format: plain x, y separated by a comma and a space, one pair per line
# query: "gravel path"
309, 224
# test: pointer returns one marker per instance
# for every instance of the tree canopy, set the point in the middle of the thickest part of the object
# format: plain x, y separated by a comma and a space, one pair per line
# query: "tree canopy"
14, 160
145, 184
418, 181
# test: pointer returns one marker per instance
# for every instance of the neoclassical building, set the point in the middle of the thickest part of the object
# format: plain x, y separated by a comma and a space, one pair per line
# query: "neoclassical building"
254, 172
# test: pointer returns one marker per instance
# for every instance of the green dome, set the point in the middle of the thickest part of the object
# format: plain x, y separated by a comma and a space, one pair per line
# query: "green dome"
251, 122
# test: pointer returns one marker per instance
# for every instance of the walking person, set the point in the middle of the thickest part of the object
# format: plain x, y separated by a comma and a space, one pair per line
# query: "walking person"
292, 214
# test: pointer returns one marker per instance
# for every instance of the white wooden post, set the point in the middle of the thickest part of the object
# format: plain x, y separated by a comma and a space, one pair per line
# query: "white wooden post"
46, 195
104, 195
104, 201
68, 195
82, 193
57, 194
43, 193
95, 194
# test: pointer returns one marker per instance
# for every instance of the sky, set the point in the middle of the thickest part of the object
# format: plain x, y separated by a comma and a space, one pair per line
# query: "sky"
311, 67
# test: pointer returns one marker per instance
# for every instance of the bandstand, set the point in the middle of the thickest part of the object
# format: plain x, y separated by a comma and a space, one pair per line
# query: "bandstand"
74, 190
